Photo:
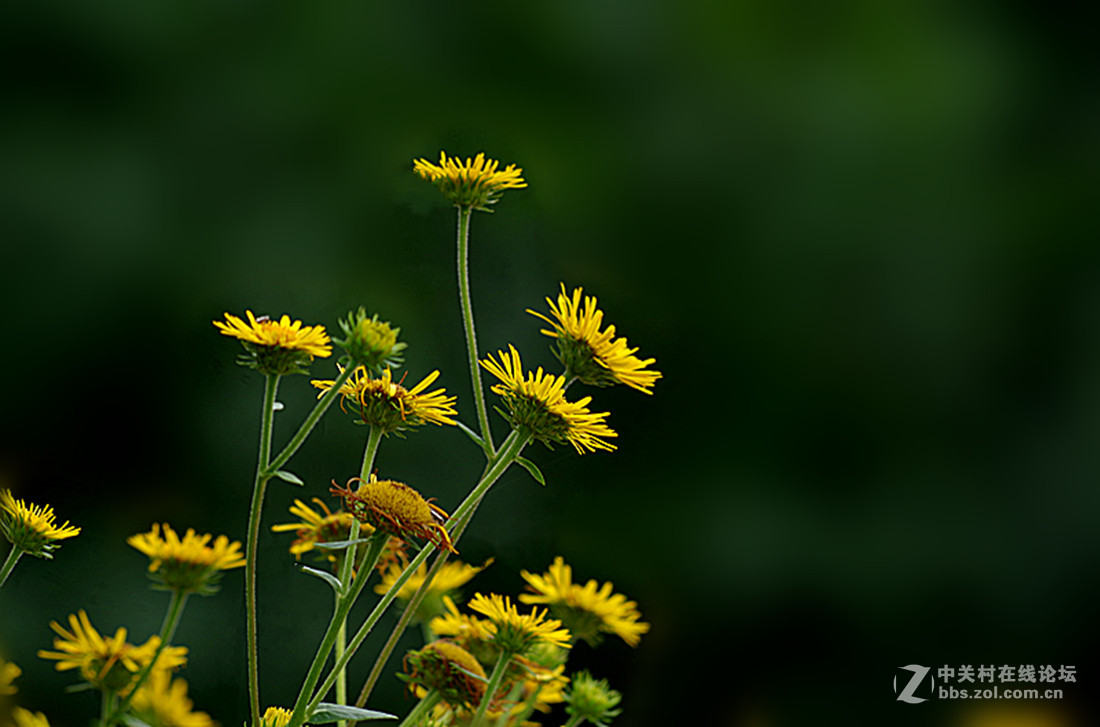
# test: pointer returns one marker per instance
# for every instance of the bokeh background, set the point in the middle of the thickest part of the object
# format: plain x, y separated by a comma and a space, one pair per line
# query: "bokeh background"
858, 237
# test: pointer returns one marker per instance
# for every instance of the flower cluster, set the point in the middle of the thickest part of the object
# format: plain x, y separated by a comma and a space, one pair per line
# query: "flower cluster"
488, 660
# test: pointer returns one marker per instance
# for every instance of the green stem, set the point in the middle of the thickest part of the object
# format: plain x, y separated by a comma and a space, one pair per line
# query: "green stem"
573, 721
491, 689
167, 631
259, 486
509, 450
464, 214
9, 564
422, 708
310, 422
343, 605
374, 439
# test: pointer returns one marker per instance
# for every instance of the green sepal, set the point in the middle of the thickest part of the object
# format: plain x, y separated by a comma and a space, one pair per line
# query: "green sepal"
327, 712
532, 469
288, 477
324, 576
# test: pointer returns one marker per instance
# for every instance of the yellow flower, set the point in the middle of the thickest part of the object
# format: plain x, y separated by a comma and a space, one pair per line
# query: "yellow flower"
592, 355
27, 718
465, 628
390, 406
276, 717
109, 663
282, 347
162, 701
450, 577
189, 564
514, 632
32, 528
537, 406
317, 528
9, 672
587, 610
474, 183
395, 508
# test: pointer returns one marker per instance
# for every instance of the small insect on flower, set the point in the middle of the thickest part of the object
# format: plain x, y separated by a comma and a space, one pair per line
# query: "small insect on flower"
395, 508
276, 347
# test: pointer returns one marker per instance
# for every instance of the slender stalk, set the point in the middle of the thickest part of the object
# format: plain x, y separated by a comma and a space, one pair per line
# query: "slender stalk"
344, 603
9, 564
374, 439
422, 708
464, 214
509, 450
167, 631
573, 721
491, 689
310, 422
267, 418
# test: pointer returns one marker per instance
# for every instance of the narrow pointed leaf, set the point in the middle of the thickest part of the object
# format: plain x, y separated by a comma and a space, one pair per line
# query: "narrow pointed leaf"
324, 576
531, 468
328, 712
289, 477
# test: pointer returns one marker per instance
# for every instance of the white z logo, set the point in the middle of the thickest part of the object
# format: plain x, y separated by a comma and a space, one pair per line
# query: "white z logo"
907, 693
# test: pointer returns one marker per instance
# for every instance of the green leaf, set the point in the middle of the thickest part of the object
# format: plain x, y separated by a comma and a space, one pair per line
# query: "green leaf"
532, 468
133, 721
328, 712
289, 477
324, 576
474, 436
340, 544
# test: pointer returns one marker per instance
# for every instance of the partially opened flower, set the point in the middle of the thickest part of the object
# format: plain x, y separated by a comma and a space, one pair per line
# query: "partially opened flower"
371, 342
475, 183
516, 632
107, 663
317, 527
537, 406
275, 717
590, 353
163, 701
32, 529
191, 564
276, 347
592, 699
449, 669
384, 403
395, 508
589, 610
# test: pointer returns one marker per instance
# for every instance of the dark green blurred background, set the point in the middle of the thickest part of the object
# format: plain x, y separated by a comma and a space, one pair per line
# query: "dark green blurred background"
858, 237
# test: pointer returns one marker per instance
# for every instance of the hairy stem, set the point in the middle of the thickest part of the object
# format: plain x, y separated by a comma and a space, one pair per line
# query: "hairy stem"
9, 564
464, 214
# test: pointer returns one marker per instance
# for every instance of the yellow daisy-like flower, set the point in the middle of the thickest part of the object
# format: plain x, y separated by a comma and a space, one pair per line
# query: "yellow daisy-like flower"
387, 404
474, 183
589, 610
466, 629
162, 701
27, 718
32, 529
190, 564
9, 672
275, 717
395, 508
107, 663
537, 406
592, 355
276, 347
515, 632
316, 527
451, 576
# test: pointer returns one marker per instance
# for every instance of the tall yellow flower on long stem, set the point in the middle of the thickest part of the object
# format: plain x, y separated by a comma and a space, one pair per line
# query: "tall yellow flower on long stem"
537, 406
589, 352
276, 347
475, 183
